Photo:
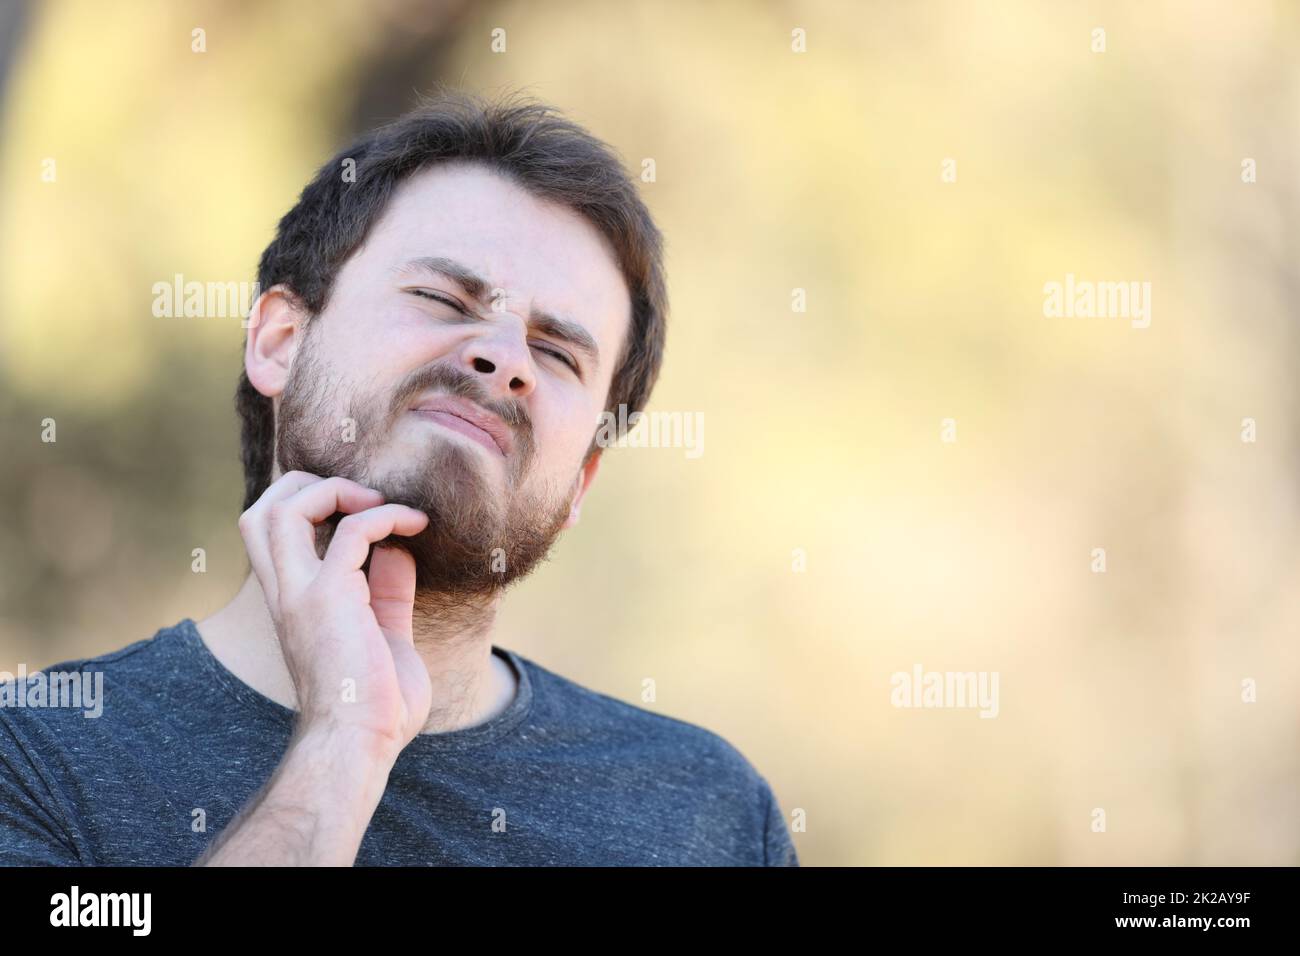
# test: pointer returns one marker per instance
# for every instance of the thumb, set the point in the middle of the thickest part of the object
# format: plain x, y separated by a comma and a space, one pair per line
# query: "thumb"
392, 591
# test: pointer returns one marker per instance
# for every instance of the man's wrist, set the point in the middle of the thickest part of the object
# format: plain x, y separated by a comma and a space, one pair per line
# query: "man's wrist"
330, 744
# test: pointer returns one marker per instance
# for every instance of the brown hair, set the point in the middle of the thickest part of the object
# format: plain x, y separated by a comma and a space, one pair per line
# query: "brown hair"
528, 142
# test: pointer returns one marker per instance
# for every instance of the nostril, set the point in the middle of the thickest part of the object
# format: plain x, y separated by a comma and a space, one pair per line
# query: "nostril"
484, 366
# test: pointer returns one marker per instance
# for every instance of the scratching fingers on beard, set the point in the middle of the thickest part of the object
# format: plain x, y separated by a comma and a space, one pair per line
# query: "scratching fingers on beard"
357, 532
293, 526
279, 530
254, 528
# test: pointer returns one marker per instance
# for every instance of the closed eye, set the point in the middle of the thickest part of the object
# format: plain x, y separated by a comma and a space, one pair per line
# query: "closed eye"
559, 355
448, 301
445, 300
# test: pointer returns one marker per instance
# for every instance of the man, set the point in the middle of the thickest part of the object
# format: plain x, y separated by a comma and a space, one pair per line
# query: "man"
445, 315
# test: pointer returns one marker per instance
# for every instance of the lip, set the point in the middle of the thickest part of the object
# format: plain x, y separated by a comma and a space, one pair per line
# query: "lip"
468, 419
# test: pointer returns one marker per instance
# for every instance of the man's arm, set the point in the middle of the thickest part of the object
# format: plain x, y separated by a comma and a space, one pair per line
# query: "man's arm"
313, 811
337, 628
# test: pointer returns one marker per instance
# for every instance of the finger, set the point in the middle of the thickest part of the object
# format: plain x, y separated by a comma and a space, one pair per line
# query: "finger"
392, 591
292, 524
357, 532
412, 678
253, 528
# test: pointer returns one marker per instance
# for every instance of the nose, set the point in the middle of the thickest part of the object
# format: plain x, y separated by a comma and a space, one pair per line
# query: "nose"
500, 359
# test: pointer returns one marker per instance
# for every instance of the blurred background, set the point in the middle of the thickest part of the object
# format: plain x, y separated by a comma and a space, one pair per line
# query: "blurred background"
920, 171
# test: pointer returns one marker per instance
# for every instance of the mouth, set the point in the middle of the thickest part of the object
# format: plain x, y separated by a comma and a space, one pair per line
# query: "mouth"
463, 417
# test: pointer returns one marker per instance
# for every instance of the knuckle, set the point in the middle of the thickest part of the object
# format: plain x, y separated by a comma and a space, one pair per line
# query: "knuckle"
341, 484
351, 525
276, 515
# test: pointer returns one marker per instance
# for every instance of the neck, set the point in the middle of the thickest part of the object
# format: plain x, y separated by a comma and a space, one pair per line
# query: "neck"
453, 638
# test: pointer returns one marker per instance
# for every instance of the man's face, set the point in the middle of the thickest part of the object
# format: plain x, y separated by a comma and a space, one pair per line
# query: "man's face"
475, 404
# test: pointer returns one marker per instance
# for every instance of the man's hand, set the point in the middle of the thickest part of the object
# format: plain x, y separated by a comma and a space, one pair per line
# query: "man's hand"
363, 691
346, 640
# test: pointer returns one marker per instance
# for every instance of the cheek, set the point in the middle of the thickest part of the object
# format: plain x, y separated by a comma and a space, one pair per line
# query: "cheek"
402, 341
366, 367
564, 427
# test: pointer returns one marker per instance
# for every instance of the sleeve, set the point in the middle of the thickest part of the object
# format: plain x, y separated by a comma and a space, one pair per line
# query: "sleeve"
31, 829
778, 845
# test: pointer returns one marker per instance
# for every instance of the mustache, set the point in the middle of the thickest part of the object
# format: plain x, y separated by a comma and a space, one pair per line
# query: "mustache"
455, 381
443, 377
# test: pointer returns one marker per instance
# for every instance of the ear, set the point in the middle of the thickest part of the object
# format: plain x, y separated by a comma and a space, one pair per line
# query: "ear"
274, 325
583, 482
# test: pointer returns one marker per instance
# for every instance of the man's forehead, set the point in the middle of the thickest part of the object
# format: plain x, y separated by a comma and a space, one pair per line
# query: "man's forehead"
503, 232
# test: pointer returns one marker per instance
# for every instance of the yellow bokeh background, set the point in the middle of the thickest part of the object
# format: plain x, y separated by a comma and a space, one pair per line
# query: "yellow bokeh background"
775, 170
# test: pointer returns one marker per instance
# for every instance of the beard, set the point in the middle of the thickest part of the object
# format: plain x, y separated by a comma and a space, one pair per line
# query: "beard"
477, 540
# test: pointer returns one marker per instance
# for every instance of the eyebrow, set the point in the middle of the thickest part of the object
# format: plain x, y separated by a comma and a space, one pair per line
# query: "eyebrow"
477, 288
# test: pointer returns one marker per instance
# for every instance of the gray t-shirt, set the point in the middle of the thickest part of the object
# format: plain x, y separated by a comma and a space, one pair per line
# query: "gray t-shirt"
564, 776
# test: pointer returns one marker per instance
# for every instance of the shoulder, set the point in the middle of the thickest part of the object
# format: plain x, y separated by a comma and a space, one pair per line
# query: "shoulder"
74, 691
583, 714
140, 655
690, 781
57, 759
